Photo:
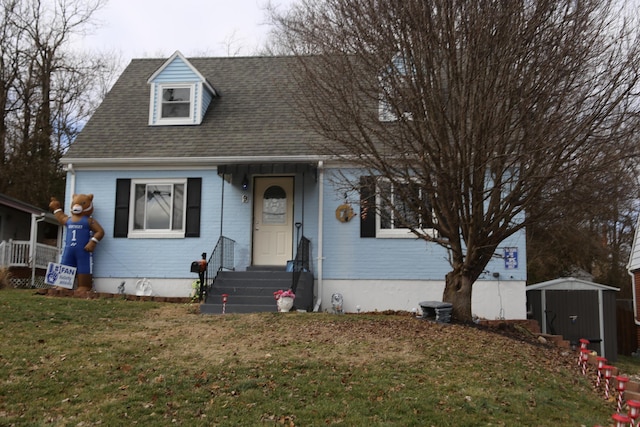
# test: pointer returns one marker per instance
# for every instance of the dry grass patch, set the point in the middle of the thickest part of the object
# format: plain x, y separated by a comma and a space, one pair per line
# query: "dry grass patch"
66, 361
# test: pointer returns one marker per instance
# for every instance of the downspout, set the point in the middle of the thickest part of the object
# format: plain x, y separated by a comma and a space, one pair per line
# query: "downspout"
33, 245
320, 232
72, 190
221, 206
543, 308
601, 321
303, 202
72, 181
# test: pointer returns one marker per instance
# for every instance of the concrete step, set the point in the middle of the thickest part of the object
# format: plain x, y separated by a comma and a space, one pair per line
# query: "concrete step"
252, 291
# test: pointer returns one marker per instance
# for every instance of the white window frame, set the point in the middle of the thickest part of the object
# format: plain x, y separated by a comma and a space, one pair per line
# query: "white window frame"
394, 233
157, 233
159, 103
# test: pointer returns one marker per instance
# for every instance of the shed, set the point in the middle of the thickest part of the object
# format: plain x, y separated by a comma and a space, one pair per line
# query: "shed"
575, 309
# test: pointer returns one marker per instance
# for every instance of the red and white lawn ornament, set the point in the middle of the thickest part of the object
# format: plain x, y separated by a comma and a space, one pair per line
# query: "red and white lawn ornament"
584, 358
621, 385
224, 302
601, 362
621, 420
583, 346
634, 411
608, 373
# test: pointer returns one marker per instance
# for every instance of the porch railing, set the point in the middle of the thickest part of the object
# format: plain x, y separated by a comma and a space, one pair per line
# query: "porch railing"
15, 253
222, 258
301, 261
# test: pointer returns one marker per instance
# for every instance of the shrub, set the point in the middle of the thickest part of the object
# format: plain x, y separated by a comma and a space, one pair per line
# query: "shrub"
5, 277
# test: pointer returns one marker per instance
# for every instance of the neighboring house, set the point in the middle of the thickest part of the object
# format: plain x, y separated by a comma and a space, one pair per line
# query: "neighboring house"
24, 228
184, 151
634, 270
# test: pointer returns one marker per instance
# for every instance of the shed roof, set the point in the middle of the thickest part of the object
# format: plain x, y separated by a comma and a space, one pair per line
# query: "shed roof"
570, 284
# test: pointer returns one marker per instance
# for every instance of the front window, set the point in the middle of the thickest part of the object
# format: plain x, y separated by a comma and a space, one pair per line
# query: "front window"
159, 208
401, 207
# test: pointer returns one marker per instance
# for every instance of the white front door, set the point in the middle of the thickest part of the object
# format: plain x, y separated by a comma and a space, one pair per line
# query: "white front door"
272, 220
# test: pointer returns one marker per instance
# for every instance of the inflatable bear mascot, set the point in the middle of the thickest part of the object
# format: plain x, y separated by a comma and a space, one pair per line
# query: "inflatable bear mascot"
83, 233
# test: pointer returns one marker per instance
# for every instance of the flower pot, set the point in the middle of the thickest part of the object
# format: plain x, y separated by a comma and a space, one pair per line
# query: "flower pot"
284, 304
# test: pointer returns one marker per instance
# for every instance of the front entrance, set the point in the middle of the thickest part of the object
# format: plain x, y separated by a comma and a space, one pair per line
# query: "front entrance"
272, 220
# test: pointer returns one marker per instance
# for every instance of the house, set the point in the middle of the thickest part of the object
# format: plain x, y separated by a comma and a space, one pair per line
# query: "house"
27, 233
185, 155
633, 267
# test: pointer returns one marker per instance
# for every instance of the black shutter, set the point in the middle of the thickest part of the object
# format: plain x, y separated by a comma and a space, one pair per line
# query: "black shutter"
194, 192
367, 206
121, 217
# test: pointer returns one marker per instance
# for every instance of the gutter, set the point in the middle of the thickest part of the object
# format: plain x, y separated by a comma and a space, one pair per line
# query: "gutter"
173, 162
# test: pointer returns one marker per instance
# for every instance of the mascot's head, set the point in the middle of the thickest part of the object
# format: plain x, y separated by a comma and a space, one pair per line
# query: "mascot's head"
82, 204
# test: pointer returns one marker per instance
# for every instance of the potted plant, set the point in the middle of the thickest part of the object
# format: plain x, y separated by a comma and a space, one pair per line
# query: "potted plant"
284, 299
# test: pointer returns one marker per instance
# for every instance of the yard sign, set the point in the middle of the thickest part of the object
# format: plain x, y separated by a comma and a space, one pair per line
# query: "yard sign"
60, 275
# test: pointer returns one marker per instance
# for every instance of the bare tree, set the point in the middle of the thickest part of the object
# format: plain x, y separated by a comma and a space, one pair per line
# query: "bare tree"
475, 112
594, 233
45, 91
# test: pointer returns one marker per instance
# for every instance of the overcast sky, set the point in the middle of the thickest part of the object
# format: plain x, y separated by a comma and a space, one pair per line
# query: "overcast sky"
157, 28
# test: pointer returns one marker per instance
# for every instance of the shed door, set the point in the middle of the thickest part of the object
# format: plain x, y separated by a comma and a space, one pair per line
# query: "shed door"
574, 314
272, 220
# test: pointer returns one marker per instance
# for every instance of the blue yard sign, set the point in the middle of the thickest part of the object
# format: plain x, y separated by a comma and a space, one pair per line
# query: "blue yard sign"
60, 275
510, 258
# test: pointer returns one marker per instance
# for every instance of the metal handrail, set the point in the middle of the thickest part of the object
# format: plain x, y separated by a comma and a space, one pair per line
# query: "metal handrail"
222, 258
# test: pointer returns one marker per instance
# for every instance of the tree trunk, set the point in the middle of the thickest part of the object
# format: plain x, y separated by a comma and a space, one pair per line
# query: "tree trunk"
457, 291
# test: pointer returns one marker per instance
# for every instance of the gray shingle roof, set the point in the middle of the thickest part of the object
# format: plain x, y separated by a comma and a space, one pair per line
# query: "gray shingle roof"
253, 115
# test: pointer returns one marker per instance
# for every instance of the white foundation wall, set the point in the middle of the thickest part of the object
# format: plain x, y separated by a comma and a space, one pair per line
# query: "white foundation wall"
145, 286
490, 299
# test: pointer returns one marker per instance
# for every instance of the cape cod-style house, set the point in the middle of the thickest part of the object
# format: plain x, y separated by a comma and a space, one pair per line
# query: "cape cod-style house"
187, 155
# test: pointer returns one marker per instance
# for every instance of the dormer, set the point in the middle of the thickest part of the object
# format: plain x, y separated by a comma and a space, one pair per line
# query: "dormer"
180, 95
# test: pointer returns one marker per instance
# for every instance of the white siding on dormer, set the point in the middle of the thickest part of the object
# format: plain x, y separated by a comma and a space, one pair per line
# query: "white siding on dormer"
207, 97
177, 72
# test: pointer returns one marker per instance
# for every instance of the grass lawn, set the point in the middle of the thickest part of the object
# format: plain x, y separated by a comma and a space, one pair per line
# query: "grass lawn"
76, 362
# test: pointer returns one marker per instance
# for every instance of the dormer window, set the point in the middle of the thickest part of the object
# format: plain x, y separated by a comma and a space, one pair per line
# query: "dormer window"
180, 95
176, 102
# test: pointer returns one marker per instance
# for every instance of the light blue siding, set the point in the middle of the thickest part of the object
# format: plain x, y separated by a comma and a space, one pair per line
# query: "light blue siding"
346, 255
164, 258
207, 97
177, 72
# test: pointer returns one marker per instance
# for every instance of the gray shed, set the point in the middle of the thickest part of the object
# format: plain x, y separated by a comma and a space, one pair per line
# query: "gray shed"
575, 309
